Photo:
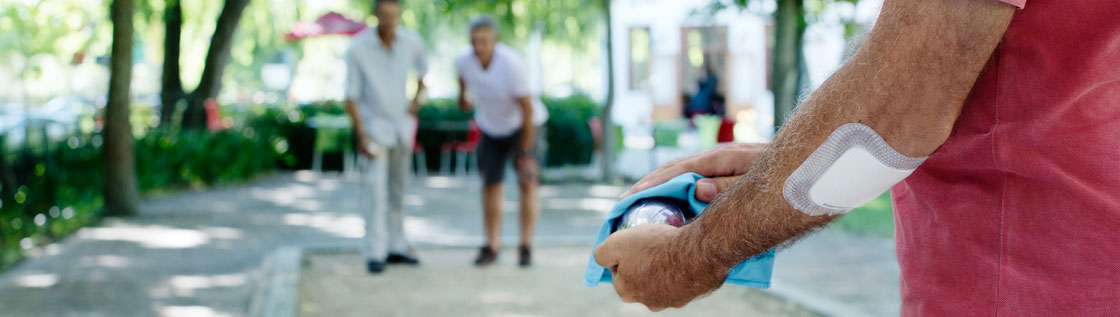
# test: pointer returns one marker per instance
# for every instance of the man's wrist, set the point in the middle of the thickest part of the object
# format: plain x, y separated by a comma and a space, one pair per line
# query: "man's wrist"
695, 240
688, 250
523, 153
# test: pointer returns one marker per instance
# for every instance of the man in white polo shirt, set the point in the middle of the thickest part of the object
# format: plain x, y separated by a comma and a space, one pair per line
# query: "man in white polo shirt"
377, 63
510, 118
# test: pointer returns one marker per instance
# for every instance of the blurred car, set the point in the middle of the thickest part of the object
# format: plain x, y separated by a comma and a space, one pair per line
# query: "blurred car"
56, 119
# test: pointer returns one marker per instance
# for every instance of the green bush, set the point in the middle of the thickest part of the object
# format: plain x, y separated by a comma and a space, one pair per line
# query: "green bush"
569, 137
57, 187
50, 192
570, 141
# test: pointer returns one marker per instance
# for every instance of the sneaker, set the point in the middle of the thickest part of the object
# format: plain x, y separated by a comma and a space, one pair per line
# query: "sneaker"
374, 267
486, 256
526, 257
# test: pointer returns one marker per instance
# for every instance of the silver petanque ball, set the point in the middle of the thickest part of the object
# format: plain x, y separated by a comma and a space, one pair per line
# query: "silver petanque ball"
652, 211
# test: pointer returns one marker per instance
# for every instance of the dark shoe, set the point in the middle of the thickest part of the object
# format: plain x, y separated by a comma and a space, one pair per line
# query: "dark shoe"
486, 256
526, 257
375, 267
402, 259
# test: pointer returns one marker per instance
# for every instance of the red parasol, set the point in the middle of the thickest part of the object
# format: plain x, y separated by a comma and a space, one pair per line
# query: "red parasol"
330, 23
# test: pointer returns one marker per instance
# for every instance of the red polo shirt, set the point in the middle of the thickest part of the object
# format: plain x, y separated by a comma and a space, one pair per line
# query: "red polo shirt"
1018, 213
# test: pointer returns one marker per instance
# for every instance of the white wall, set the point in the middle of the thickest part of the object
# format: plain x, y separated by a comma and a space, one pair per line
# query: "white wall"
665, 18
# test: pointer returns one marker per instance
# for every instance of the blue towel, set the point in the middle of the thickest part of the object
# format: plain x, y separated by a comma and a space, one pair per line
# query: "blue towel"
753, 272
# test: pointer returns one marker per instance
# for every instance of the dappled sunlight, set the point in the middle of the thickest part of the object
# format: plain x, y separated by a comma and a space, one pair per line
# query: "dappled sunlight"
443, 182
306, 176
187, 285
424, 231
602, 205
190, 311
222, 232
223, 206
284, 194
502, 297
297, 196
330, 184
42, 280
605, 191
598, 191
414, 200
346, 226
156, 237
105, 261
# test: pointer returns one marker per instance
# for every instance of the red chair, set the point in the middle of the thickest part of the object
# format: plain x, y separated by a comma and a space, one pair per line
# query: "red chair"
463, 150
726, 131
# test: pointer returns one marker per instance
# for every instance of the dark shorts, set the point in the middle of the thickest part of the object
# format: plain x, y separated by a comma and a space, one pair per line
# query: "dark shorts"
495, 152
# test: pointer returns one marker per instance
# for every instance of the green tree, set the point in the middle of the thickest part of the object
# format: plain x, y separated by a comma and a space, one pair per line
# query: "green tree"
788, 65
217, 58
120, 189
608, 147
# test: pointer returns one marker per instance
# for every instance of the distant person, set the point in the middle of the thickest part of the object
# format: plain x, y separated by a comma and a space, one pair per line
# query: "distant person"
377, 65
510, 118
707, 99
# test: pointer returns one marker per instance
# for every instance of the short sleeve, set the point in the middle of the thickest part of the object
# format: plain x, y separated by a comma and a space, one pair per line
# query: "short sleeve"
519, 81
353, 76
1017, 3
420, 60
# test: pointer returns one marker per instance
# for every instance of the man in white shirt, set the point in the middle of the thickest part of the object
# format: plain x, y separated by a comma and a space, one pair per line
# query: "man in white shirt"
510, 118
377, 65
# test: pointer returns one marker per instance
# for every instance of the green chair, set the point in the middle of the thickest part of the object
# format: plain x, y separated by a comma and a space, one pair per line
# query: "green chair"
332, 133
707, 129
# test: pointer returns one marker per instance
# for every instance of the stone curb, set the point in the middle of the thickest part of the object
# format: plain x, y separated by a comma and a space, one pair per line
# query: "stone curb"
276, 294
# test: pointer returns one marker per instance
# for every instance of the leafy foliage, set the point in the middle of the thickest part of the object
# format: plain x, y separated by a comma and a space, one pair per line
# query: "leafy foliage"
59, 187
569, 137
567, 21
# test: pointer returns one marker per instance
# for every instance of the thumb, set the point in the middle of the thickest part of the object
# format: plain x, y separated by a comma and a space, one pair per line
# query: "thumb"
707, 189
606, 256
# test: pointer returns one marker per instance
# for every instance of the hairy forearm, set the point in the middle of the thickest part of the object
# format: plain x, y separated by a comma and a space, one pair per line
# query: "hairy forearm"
528, 130
908, 83
463, 105
355, 118
419, 89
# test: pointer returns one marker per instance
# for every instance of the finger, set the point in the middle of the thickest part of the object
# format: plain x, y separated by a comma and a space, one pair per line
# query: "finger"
707, 189
653, 179
606, 256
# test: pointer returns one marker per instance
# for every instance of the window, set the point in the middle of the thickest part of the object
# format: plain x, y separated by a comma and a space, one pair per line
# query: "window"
639, 58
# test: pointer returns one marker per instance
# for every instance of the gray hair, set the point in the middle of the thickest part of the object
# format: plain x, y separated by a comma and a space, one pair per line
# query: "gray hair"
377, 2
484, 21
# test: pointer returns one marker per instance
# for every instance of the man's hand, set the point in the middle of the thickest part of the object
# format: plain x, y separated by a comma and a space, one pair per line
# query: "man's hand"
649, 265
465, 105
414, 107
367, 148
527, 167
723, 165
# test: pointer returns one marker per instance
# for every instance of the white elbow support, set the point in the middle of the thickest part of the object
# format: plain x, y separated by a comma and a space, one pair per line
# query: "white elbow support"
851, 168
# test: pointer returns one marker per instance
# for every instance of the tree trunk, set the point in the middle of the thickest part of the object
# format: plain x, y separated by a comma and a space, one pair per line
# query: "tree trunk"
172, 90
120, 172
790, 20
7, 179
216, 59
608, 145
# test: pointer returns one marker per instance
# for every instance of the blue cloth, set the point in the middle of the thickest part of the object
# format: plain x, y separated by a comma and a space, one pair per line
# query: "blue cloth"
753, 272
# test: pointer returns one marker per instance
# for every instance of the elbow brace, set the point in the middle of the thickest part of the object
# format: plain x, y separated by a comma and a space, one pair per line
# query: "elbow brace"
851, 168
